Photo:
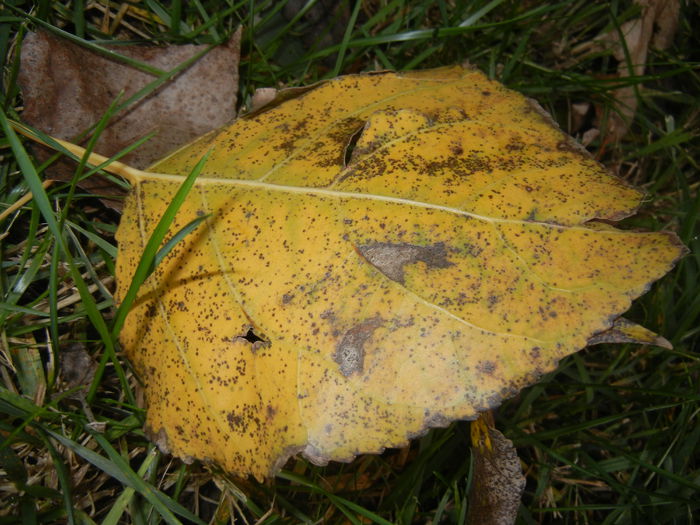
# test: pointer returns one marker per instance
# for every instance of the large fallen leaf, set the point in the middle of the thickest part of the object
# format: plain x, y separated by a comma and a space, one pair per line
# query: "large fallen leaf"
385, 253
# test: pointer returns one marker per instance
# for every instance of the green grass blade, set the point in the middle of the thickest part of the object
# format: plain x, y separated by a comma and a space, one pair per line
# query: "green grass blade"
175, 239
125, 498
146, 263
108, 247
63, 479
42, 201
117, 467
346, 38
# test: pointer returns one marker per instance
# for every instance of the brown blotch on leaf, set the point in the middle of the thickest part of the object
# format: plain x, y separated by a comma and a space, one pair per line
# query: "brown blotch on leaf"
235, 421
391, 258
486, 367
350, 352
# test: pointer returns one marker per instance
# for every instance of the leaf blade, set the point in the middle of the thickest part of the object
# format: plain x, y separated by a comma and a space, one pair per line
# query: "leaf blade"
381, 267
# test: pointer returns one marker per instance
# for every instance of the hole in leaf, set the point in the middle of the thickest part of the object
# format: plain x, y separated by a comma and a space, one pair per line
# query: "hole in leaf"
350, 146
252, 337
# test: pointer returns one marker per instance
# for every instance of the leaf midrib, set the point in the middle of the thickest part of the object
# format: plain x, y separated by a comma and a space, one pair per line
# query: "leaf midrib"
324, 192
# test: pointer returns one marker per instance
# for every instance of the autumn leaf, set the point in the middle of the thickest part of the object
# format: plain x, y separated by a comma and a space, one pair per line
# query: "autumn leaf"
381, 254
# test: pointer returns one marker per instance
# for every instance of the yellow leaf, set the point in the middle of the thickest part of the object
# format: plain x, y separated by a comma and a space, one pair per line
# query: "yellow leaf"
385, 253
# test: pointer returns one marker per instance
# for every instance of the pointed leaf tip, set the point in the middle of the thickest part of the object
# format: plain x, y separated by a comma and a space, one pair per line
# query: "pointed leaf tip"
625, 331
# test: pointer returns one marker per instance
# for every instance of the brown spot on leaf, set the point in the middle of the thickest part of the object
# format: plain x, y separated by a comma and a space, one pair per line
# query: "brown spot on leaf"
391, 258
151, 311
350, 352
486, 367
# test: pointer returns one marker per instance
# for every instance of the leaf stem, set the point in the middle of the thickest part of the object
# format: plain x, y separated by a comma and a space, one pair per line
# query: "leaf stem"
112, 166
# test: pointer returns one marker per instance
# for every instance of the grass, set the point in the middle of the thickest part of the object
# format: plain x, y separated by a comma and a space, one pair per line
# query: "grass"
612, 436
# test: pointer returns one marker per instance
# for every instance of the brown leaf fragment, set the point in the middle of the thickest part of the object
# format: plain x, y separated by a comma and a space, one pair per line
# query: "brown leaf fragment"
262, 97
625, 331
67, 89
77, 366
498, 480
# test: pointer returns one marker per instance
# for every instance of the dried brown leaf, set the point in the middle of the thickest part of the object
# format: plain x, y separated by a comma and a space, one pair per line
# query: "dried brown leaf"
498, 483
67, 89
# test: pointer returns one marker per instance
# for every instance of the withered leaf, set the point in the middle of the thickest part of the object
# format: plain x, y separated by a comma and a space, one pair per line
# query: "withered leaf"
497, 480
68, 88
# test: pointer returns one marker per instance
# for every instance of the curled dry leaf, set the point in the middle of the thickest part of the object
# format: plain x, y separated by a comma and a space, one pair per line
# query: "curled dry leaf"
498, 480
385, 253
68, 88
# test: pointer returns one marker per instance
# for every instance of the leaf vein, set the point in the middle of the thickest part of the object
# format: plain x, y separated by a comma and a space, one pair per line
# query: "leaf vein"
324, 131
